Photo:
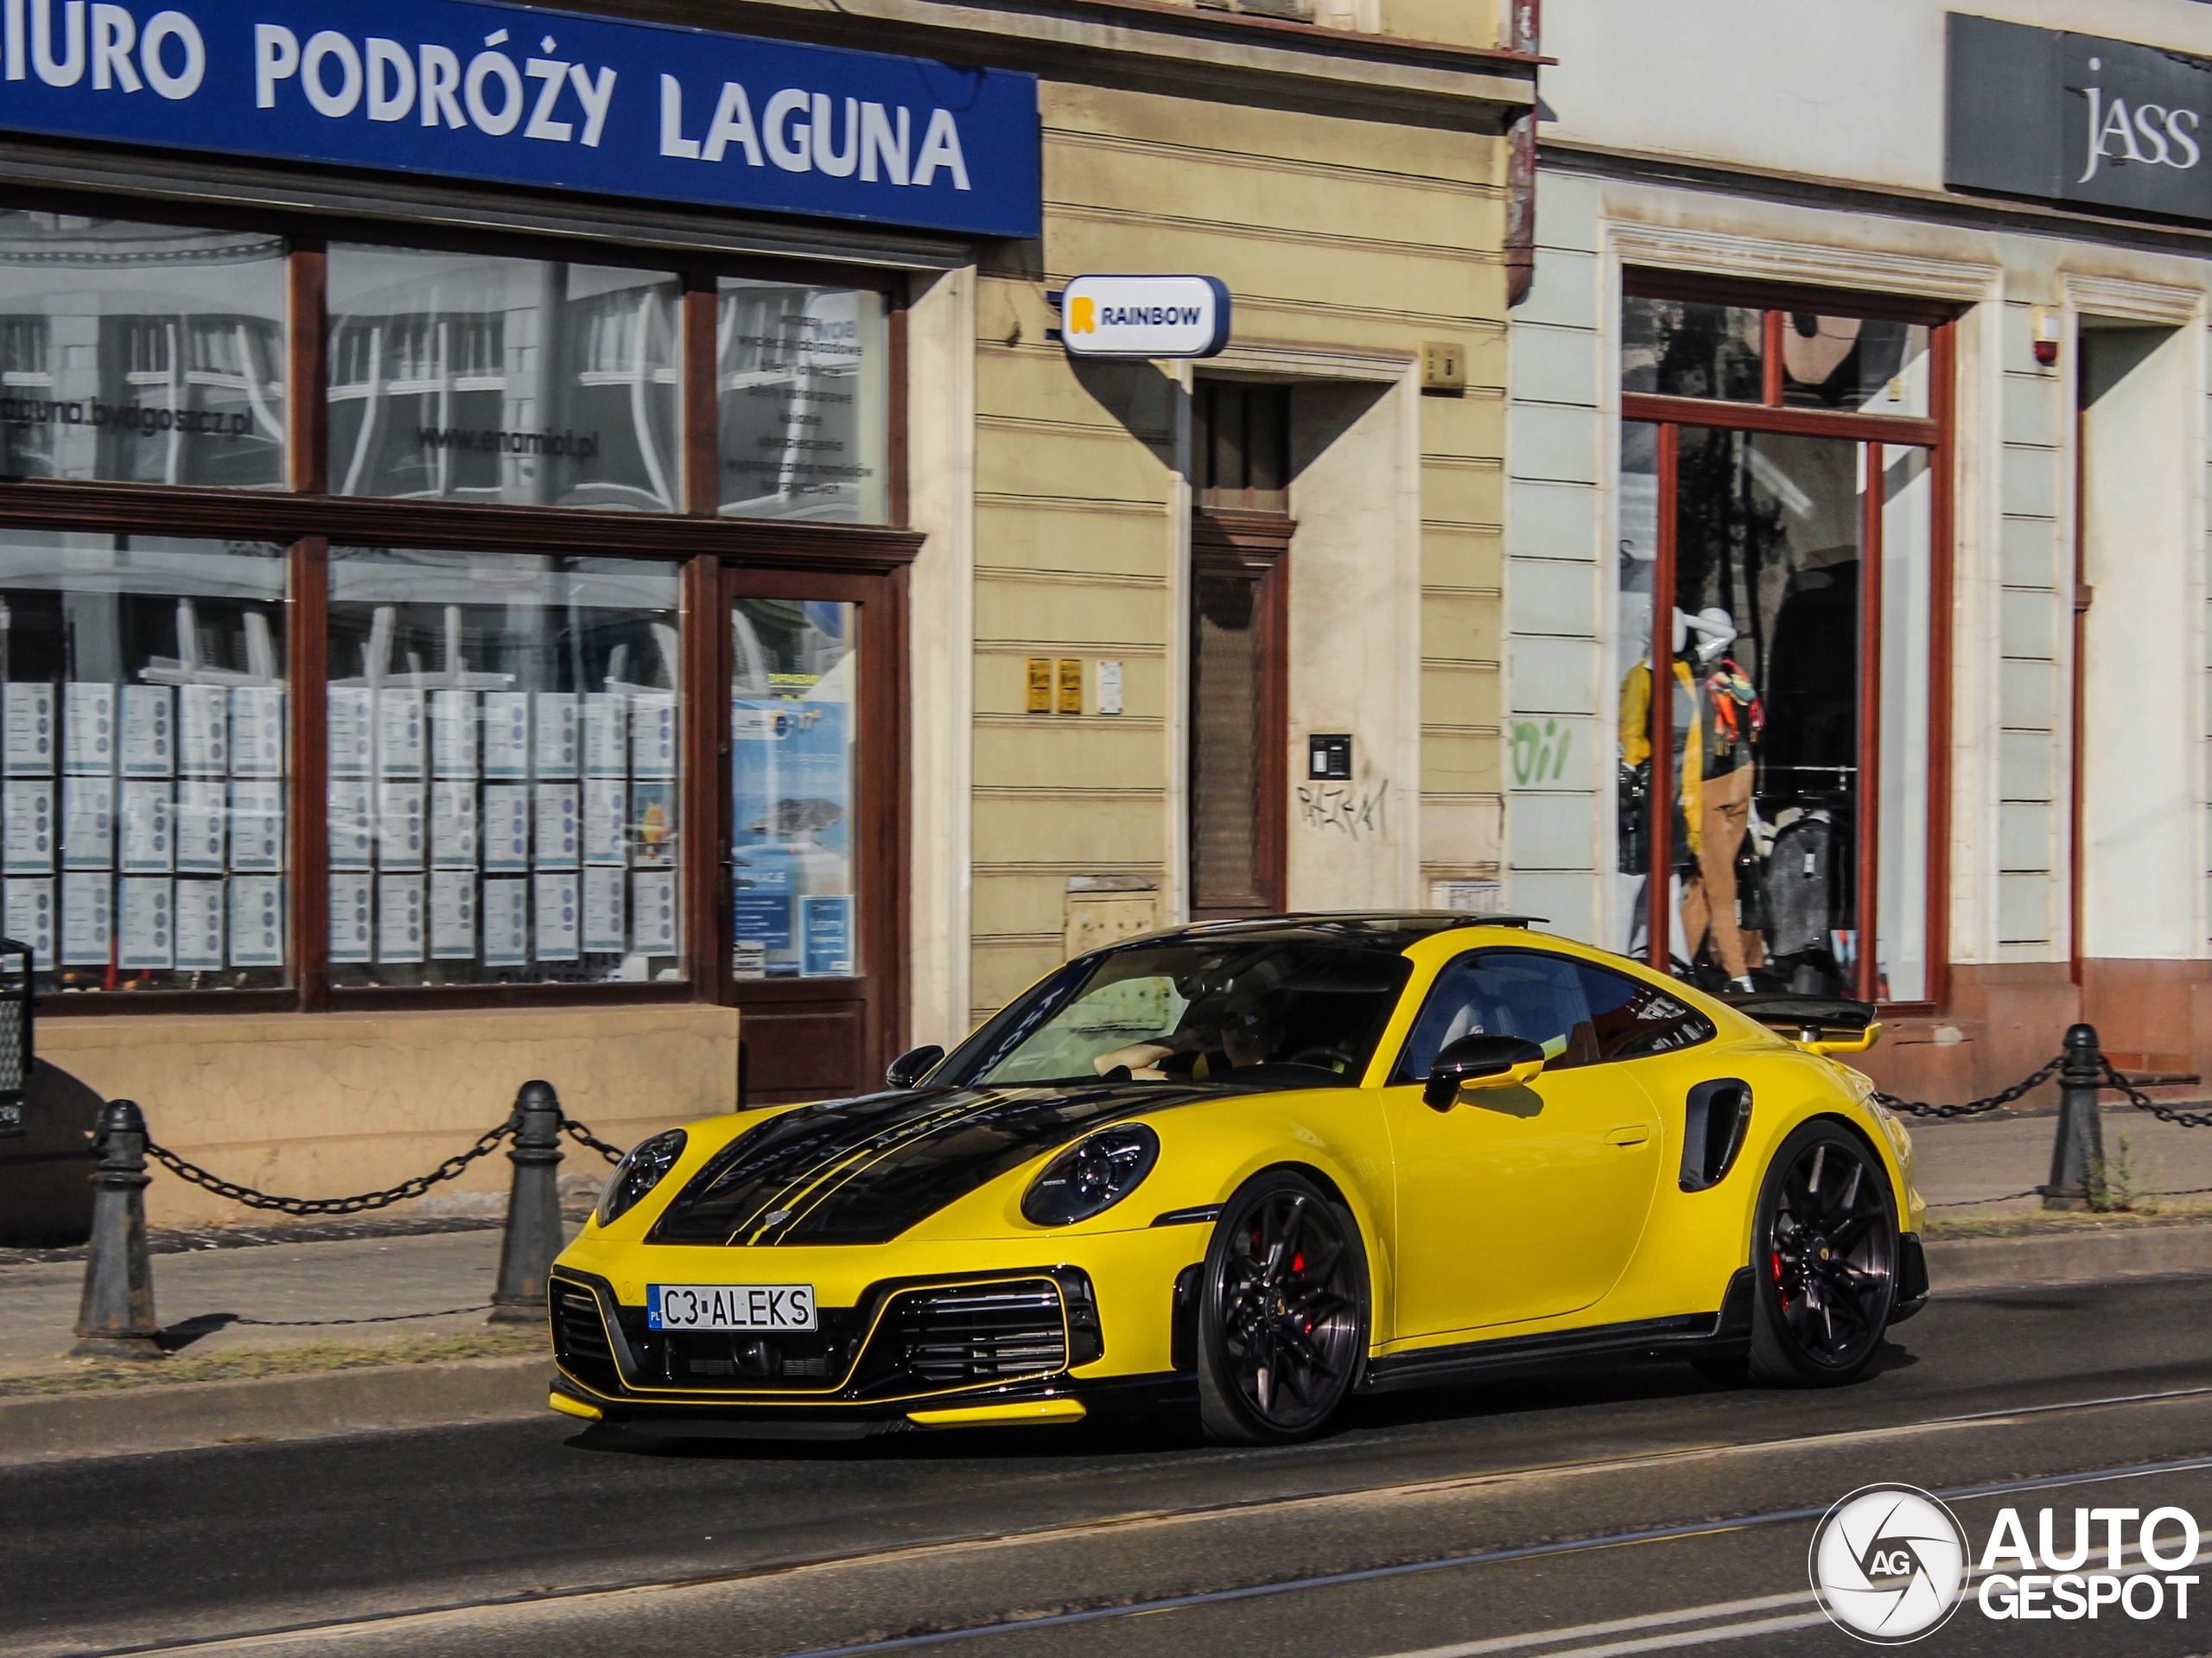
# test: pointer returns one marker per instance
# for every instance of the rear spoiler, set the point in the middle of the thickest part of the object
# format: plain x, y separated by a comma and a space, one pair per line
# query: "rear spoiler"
1824, 1025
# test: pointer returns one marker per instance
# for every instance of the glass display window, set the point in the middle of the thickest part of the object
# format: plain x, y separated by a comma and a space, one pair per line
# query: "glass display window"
1777, 607
793, 741
142, 810
802, 382
141, 354
471, 378
504, 769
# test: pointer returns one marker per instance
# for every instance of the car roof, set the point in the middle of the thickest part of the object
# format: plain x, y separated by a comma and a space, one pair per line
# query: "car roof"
1391, 930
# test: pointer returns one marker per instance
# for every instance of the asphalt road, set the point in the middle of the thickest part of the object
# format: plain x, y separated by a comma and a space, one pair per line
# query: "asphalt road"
1635, 1510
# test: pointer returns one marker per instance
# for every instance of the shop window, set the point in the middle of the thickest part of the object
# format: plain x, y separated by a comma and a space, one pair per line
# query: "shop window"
801, 377
143, 806
505, 794
141, 354
1781, 559
465, 377
793, 701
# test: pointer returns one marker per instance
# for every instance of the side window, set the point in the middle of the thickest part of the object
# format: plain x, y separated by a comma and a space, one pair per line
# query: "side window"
1630, 1018
1504, 993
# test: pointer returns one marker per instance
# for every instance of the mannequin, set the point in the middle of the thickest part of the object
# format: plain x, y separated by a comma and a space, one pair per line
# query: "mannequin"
1729, 722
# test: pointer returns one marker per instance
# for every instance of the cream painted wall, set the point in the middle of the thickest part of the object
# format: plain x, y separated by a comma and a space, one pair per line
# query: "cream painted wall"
1810, 86
336, 1103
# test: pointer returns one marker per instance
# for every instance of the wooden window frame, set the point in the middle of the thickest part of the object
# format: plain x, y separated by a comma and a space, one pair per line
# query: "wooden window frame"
865, 563
1255, 545
1935, 432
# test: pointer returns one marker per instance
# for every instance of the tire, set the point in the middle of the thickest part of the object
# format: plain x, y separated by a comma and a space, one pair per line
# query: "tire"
1824, 1261
1282, 1314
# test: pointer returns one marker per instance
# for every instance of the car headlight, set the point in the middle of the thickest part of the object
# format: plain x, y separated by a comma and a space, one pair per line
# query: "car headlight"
1091, 1176
638, 1173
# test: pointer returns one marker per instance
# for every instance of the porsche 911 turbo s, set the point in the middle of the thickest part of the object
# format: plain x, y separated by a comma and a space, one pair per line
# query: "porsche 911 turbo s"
1259, 1167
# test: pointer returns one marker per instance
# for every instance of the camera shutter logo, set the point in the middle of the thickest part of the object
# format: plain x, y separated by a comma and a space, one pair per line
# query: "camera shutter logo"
1889, 1563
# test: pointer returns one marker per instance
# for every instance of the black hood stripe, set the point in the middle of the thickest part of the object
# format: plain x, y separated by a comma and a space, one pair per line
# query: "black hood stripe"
863, 1171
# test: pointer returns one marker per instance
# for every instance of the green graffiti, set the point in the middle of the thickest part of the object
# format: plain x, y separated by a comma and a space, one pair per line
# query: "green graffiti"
1540, 751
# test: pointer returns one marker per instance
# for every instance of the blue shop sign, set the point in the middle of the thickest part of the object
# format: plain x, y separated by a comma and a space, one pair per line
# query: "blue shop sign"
516, 95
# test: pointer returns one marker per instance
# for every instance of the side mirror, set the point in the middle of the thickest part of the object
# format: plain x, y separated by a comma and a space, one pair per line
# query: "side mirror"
910, 1067
1481, 1062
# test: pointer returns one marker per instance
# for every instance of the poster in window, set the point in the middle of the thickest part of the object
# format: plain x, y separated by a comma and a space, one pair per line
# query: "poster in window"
453, 915
353, 831
399, 734
198, 827
603, 931
256, 920
29, 841
399, 918
30, 919
204, 732
256, 731
605, 734
149, 924
88, 822
352, 896
652, 821
603, 825
557, 830
88, 734
506, 924
791, 784
652, 912
399, 825
506, 828
762, 918
452, 733
149, 731
198, 925
257, 828
652, 735
826, 922
87, 920
556, 735
507, 734
558, 904
453, 825
352, 735
149, 846
30, 747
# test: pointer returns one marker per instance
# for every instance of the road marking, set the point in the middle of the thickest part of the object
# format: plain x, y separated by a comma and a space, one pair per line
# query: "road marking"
1717, 1612
389, 1622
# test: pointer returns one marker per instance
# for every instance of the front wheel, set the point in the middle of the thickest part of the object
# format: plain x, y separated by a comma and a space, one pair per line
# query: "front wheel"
1824, 1256
1282, 1314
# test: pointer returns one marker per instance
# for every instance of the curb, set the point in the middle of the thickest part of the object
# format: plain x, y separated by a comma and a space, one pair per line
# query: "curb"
174, 1416
1962, 1266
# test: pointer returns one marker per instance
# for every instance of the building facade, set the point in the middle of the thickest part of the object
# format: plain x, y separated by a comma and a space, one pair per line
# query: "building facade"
1859, 401
553, 545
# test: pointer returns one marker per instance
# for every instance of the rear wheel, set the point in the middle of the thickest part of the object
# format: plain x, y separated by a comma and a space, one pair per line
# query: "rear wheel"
1824, 1255
1282, 1314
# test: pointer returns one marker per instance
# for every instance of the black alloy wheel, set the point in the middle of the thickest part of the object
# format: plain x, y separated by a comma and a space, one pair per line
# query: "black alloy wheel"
1283, 1316
1824, 1258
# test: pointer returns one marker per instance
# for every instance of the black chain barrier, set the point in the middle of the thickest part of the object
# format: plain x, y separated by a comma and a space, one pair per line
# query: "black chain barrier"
416, 1187
2019, 1091
2142, 1101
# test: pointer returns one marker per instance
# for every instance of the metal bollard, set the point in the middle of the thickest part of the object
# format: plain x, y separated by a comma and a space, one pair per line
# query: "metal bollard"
533, 1234
2077, 1157
116, 1318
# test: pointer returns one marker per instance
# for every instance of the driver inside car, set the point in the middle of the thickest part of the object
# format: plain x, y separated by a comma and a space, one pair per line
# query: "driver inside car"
1242, 1036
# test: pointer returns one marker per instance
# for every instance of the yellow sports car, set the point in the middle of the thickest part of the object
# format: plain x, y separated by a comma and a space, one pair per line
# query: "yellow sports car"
1258, 1167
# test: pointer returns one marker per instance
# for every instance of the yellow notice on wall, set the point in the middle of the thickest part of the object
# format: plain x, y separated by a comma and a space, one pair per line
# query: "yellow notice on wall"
1040, 685
1071, 685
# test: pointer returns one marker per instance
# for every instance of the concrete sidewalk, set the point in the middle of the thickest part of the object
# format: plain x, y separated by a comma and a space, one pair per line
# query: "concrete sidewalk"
1973, 1168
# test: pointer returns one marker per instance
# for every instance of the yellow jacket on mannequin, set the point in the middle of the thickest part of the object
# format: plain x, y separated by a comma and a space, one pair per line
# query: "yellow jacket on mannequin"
1689, 759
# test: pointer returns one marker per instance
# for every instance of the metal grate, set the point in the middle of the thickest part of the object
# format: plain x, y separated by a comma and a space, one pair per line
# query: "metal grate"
14, 1033
987, 1333
579, 1338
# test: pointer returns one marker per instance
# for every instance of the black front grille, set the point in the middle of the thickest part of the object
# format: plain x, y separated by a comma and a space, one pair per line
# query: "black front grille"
975, 1333
580, 1338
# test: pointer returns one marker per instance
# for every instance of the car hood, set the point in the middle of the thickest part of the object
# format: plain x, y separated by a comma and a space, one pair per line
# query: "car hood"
863, 1171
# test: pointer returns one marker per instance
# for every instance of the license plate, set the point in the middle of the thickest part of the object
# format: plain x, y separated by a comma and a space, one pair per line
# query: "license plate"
729, 1306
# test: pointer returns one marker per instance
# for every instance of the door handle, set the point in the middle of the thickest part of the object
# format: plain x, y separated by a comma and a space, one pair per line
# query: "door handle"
1634, 1134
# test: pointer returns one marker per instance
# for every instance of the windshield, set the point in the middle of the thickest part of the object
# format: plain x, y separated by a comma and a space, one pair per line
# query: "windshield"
1274, 1013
